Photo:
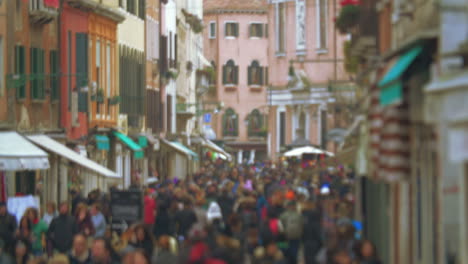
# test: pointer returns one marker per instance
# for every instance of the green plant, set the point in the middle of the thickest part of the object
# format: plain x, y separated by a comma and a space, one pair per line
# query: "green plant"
351, 62
114, 100
196, 24
209, 71
99, 96
348, 18
171, 75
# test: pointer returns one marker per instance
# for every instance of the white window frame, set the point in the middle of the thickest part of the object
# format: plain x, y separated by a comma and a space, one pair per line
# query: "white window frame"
257, 23
229, 22
320, 49
280, 110
211, 33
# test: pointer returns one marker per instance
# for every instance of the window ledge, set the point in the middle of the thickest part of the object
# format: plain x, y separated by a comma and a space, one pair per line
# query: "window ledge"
230, 87
21, 100
255, 88
38, 101
211, 37
280, 54
230, 37
255, 37
301, 52
321, 51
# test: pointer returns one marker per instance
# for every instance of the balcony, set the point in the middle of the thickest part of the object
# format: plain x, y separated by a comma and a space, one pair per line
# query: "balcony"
42, 11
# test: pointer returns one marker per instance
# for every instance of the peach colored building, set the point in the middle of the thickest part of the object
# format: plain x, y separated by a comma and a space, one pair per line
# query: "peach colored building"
236, 43
305, 53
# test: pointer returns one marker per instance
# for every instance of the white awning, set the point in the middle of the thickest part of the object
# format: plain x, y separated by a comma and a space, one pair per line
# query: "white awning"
62, 150
298, 152
181, 148
211, 145
17, 153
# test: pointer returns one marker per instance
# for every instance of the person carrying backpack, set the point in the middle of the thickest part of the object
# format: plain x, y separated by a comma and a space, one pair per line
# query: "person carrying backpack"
293, 224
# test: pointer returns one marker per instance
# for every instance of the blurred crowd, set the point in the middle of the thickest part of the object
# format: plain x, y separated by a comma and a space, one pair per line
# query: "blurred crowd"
223, 215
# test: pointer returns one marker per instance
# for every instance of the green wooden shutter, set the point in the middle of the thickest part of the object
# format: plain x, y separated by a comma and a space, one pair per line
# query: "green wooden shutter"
260, 73
236, 29
236, 125
33, 63
42, 74
82, 70
265, 73
236, 74
53, 75
224, 75
260, 32
21, 85
266, 30
249, 75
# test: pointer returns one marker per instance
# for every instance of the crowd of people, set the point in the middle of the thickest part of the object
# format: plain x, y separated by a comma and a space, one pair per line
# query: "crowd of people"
222, 215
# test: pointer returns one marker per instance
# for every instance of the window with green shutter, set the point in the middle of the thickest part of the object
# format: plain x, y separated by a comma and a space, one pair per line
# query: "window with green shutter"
20, 70
256, 30
230, 123
54, 75
37, 77
255, 74
82, 70
231, 29
230, 73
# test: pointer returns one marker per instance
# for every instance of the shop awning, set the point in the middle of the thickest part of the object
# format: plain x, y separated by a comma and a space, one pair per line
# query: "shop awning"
212, 146
137, 150
391, 85
17, 153
102, 142
53, 146
180, 148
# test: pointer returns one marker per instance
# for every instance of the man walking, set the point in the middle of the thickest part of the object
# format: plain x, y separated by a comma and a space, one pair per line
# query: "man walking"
99, 221
7, 227
293, 224
62, 230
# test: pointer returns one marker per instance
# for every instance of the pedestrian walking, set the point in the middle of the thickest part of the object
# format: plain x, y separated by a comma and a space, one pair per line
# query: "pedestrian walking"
184, 220
312, 237
62, 230
293, 224
367, 253
98, 220
22, 253
50, 213
7, 227
103, 253
83, 220
79, 253
38, 232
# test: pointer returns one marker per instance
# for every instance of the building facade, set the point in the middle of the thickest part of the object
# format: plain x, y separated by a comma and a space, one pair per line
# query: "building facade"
236, 44
306, 57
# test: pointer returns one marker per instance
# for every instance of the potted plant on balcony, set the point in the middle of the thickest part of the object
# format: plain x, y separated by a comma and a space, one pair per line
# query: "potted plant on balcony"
196, 24
99, 96
114, 100
171, 74
348, 17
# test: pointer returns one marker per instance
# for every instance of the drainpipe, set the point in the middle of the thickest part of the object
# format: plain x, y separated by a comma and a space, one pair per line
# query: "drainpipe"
10, 43
59, 58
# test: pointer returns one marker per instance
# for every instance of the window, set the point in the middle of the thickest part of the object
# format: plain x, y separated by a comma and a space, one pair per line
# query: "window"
230, 123
322, 24
256, 127
81, 64
2, 74
108, 70
256, 30
131, 7
141, 9
20, 70
255, 74
300, 25
280, 27
54, 78
37, 73
230, 73
98, 53
69, 66
212, 32
232, 29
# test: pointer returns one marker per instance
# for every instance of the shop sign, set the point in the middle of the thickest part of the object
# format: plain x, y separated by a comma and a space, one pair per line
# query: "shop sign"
126, 209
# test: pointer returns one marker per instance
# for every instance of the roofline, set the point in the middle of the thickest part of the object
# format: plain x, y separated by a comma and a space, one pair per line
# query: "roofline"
234, 11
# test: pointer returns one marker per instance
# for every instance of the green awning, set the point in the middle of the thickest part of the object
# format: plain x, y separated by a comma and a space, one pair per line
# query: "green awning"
391, 85
142, 141
102, 142
137, 150
187, 150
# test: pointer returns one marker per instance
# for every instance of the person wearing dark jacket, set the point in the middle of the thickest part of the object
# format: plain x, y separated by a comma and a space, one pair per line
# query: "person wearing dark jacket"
226, 203
62, 229
7, 227
143, 241
162, 225
312, 233
185, 219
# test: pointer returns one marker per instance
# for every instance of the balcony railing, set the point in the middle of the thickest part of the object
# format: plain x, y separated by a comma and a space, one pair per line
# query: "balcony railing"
43, 11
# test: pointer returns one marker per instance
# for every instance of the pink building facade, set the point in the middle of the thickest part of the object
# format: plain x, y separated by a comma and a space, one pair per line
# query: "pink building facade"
236, 43
305, 53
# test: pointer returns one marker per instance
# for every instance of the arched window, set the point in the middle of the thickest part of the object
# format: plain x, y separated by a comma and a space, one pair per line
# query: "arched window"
255, 74
230, 73
230, 123
256, 127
